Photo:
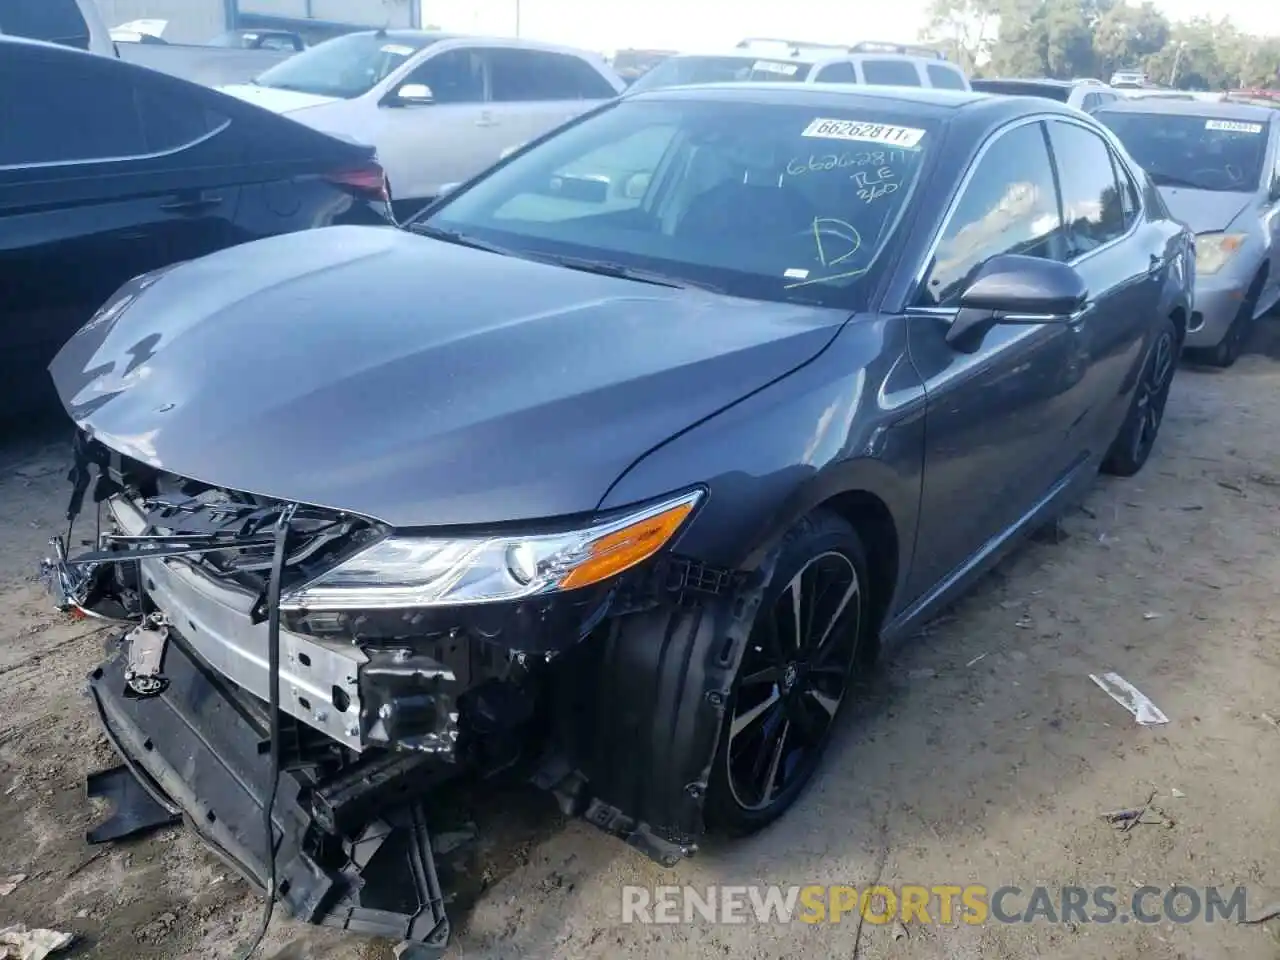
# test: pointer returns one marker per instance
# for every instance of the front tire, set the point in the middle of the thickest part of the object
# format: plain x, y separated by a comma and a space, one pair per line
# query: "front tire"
795, 674
1228, 351
1133, 445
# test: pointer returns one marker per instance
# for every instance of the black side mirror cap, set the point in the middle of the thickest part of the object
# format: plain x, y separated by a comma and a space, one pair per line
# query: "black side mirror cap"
1011, 288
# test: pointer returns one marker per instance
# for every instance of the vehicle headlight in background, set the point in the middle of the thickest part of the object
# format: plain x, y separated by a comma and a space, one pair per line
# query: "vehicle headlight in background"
426, 571
1214, 250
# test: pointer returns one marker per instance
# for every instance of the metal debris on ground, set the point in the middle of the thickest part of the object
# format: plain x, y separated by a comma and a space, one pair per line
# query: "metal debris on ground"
975, 660
1148, 813
1131, 698
19, 943
10, 884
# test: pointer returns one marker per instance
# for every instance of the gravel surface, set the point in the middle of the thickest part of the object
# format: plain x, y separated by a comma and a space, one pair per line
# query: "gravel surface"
983, 753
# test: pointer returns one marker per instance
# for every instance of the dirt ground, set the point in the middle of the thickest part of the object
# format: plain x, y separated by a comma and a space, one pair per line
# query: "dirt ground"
984, 754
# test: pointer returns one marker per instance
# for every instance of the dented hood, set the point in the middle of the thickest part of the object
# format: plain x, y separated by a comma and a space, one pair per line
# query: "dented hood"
414, 381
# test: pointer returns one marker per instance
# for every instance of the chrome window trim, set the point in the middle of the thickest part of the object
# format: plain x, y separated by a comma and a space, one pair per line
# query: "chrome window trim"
53, 164
1098, 130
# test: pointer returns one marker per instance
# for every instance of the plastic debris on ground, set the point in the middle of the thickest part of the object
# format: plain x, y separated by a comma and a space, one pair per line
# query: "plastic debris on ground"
1131, 698
19, 943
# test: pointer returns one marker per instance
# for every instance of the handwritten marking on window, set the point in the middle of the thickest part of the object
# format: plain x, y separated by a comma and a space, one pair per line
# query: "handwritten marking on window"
872, 185
823, 163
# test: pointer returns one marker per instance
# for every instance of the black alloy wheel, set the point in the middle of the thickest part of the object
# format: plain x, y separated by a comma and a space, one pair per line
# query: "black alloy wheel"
1137, 437
794, 676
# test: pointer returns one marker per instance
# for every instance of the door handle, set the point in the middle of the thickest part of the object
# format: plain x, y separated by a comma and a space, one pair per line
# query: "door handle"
1155, 265
190, 204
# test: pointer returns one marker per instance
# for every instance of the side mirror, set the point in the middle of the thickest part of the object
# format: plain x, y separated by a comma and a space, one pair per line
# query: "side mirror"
414, 95
1274, 194
1011, 288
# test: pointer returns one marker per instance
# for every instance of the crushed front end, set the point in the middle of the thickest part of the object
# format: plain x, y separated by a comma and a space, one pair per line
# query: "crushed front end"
388, 680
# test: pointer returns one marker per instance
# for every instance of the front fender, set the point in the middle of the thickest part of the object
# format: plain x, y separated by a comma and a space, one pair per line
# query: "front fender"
851, 420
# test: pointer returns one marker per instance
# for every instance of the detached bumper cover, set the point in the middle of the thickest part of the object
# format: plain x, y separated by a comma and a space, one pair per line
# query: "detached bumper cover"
200, 747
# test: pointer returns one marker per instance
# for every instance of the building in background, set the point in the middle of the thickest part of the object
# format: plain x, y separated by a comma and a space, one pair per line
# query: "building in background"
199, 21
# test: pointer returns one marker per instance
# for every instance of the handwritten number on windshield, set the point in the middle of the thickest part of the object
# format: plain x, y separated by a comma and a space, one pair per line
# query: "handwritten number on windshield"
822, 163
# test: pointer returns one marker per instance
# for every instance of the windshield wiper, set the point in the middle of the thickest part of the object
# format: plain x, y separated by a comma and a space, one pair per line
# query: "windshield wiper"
605, 268
453, 236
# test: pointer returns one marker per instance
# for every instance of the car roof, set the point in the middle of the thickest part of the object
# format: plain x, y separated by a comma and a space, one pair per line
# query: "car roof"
438, 36
1226, 110
1040, 82
928, 102
808, 55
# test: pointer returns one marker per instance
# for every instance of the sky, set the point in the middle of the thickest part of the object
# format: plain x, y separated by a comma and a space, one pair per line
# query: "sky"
690, 24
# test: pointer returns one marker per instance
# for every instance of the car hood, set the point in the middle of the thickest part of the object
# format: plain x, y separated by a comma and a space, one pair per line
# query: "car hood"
275, 100
414, 381
1205, 211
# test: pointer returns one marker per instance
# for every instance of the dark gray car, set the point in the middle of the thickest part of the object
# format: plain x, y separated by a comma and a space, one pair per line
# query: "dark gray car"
1217, 166
621, 462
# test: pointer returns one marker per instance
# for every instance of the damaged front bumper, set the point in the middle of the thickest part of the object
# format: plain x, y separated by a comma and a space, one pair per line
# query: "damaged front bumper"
613, 695
344, 857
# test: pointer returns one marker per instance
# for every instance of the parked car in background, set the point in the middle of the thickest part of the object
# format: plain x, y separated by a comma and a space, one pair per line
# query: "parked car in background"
212, 65
632, 64
675, 443
146, 171
1086, 95
1129, 78
797, 61
285, 40
1217, 167
71, 23
439, 107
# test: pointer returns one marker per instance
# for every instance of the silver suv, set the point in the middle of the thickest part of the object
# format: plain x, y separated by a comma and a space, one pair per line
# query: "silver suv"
763, 59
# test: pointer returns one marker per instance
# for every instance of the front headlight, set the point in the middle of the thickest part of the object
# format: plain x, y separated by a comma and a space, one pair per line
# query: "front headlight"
411, 571
1214, 250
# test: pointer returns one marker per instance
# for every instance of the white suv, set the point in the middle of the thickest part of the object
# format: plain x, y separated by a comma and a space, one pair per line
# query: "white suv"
761, 59
438, 108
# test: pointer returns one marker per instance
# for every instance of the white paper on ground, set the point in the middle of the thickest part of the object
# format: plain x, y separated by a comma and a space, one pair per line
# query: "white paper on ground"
1131, 698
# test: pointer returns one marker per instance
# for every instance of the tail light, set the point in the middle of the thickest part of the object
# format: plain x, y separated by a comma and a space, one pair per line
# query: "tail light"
368, 181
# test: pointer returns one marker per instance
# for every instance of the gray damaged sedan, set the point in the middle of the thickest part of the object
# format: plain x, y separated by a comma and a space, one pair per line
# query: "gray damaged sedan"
615, 468
1217, 166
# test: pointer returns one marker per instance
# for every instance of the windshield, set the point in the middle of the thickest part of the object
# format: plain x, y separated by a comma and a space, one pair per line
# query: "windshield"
346, 66
1204, 153
679, 71
773, 202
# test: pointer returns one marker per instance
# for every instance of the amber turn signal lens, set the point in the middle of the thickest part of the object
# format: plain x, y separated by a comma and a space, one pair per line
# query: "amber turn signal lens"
623, 549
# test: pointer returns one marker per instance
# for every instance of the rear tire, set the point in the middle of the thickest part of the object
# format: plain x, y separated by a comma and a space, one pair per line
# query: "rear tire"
794, 677
1137, 437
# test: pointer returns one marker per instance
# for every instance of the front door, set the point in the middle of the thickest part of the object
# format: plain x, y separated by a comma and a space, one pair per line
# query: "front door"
423, 147
995, 416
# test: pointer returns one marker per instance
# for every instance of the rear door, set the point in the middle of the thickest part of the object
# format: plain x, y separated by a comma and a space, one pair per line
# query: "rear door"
996, 416
97, 185
535, 91
1121, 259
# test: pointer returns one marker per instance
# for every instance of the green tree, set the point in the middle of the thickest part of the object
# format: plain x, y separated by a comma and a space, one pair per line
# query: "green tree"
963, 29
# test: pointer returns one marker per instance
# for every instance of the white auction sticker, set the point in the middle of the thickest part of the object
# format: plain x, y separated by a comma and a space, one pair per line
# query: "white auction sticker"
795, 273
769, 66
398, 50
863, 132
1233, 126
